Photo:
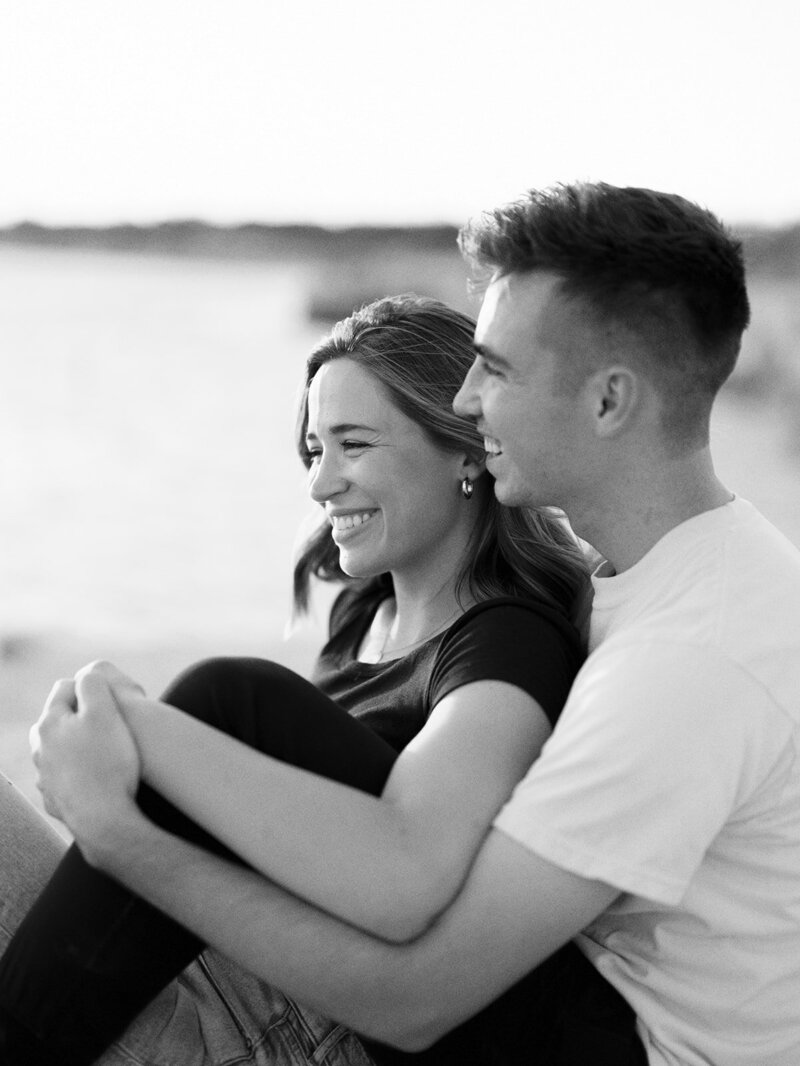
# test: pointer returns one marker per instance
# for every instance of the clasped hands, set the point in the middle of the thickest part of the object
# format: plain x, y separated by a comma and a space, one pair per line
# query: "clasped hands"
87, 761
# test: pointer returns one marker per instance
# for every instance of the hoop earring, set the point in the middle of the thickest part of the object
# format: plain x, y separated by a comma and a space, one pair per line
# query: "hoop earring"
467, 488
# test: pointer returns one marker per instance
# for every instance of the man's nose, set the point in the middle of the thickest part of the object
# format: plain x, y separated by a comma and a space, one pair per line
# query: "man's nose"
467, 401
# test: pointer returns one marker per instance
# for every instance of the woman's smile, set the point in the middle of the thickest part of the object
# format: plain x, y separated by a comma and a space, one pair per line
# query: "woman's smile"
348, 525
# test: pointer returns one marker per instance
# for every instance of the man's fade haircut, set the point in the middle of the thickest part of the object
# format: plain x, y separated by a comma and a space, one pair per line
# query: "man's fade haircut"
650, 265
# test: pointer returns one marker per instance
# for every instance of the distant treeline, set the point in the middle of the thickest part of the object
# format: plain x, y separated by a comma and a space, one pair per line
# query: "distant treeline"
768, 250
251, 240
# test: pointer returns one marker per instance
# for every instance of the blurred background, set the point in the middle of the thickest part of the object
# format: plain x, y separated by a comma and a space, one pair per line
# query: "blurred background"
190, 194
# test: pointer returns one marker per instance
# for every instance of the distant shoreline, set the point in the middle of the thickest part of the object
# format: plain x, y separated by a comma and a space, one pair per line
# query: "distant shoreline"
768, 250
190, 237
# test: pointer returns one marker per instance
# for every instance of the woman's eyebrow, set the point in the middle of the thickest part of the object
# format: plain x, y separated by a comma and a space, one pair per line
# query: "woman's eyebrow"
348, 427
344, 427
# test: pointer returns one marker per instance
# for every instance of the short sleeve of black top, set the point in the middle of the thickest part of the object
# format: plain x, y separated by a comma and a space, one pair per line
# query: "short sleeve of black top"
520, 641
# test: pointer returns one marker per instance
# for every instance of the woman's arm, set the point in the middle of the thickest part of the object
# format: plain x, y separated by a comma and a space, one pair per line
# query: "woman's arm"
388, 864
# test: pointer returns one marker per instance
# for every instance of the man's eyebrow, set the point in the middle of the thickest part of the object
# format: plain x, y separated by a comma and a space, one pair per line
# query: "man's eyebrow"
490, 356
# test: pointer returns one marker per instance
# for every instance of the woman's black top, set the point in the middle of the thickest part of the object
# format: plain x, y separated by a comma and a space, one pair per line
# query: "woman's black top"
521, 641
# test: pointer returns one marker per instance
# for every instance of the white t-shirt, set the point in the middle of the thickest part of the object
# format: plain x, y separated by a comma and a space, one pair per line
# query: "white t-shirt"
674, 775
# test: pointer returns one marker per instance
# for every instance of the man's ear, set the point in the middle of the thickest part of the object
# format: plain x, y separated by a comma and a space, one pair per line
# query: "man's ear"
613, 395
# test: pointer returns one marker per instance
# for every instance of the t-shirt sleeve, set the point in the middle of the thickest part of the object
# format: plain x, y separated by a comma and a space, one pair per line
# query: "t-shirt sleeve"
657, 745
520, 645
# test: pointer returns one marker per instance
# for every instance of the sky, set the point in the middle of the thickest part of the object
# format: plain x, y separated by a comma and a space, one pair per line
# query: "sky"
344, 112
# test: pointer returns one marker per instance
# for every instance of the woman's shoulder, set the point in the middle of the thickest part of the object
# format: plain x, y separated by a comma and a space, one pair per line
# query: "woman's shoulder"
527, 613
523, 641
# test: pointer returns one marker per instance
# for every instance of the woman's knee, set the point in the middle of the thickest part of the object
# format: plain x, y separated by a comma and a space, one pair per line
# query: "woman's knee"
235, 695
194, 683
278, 712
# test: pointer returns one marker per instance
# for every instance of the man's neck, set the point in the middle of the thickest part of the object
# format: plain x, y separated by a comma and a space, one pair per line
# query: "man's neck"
638, 511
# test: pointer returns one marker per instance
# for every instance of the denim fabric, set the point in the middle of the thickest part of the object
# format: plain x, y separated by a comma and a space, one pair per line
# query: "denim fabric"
213, 1014
30, 850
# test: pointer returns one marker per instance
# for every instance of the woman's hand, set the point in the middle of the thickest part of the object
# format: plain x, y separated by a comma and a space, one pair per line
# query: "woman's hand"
87, 761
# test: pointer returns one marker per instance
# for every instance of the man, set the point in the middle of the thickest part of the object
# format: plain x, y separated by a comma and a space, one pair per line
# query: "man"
611, 320
661, 825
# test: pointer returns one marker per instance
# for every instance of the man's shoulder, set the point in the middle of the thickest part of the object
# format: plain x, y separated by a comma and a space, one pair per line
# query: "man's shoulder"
746, 667
729, 582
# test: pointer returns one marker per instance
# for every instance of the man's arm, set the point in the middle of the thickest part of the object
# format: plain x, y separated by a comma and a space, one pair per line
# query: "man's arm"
513, 911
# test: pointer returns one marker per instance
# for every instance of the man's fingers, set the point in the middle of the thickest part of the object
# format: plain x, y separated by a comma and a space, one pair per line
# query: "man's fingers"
112, 675
62, 697
94, 692
61, 701
49, 803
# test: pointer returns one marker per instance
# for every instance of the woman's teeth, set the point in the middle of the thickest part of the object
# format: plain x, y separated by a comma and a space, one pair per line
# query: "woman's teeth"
349, 521
491, 446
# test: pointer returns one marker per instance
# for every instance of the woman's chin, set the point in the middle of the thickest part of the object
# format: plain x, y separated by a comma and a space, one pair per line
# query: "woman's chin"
357, 567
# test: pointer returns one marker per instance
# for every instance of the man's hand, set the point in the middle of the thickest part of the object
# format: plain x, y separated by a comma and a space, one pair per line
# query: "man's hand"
120, 684
87, 761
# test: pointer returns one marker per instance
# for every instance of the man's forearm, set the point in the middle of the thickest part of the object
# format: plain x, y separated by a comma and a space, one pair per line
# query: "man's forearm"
512, 912
334, 968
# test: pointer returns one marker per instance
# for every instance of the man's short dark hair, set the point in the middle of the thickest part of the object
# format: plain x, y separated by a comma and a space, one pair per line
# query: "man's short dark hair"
651, 263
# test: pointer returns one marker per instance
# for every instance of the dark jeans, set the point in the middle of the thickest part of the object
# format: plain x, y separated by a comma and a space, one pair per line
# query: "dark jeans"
90, 955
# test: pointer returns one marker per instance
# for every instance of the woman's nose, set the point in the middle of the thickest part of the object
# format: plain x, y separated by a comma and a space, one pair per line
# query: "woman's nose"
325, 479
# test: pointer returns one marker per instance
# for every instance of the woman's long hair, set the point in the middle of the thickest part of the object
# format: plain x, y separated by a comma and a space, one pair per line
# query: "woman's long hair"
420, 350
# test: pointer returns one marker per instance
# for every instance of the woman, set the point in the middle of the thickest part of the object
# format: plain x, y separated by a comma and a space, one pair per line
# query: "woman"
424, 640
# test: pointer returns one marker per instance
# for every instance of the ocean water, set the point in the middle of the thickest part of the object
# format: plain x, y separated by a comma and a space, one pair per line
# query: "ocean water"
149, 481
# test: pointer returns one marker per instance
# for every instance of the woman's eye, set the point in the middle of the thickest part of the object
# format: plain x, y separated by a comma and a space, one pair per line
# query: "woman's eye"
314, 455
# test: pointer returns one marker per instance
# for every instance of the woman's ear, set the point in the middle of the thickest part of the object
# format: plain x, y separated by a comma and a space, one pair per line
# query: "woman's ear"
472, 467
